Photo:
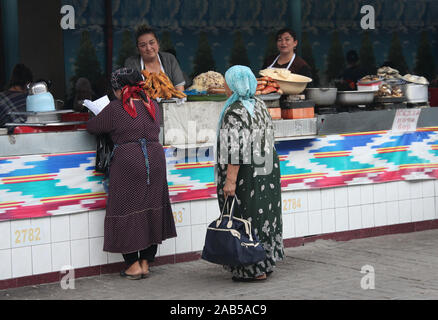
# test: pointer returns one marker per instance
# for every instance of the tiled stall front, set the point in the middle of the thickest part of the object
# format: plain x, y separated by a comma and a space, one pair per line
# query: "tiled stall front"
39, 246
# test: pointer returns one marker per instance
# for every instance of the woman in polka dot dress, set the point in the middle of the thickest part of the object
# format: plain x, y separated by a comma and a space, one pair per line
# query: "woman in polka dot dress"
240, 171
138, 213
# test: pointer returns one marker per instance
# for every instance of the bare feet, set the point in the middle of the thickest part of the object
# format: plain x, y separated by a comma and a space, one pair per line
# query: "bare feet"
262, 277
259, 278
144, 265
134, 269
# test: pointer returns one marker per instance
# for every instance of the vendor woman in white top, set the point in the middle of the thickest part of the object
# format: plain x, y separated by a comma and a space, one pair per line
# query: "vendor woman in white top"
151, 59
287, 58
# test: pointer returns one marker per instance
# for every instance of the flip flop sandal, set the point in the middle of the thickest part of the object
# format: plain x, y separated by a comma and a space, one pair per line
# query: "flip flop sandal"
123, 274
237, 279
145, 275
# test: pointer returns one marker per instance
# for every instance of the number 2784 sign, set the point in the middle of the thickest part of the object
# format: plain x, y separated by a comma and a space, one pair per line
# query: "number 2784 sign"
291, 204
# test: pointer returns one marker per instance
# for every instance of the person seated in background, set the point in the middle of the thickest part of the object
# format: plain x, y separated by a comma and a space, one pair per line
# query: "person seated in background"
14, 98
353, 73
151, 59
83, 91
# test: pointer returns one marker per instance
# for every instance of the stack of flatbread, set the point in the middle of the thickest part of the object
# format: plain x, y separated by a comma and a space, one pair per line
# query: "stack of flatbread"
208, 81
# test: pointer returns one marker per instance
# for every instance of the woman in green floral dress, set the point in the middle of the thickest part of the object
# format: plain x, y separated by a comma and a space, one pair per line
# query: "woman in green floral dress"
248, 168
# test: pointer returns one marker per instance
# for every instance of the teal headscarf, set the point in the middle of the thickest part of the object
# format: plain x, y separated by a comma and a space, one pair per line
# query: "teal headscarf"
243, 83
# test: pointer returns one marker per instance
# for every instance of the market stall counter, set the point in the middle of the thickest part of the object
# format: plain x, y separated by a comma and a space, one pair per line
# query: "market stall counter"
343, 176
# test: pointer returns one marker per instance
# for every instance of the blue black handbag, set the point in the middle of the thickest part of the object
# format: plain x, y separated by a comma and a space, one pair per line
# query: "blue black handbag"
231, 241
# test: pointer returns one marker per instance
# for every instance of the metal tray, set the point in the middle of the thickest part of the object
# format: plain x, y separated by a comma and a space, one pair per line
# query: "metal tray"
322, 96
207, 97
39, 118
389, 99
269, 97
32, 113
55, 124
172, 100
350, 98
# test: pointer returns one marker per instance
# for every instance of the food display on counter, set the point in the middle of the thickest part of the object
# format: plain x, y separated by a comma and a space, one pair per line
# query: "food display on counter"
216, 90
369, 82
370, 78
208, 86
267, 85
209, 81
278, 74
387, 91
416, 89
290, 83
415, 79
388, 73
160, 86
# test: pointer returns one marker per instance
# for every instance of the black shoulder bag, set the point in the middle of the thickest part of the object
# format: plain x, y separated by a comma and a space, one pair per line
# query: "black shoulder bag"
103, 153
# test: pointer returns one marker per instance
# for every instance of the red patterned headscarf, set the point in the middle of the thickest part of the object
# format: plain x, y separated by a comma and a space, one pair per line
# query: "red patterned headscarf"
131, 93
130, 82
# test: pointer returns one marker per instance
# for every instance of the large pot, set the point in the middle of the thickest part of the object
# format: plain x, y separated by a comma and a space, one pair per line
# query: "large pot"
416, 93
322, 96
352, 98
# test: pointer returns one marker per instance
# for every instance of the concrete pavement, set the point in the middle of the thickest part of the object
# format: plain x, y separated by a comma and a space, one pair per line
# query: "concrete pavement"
405, 266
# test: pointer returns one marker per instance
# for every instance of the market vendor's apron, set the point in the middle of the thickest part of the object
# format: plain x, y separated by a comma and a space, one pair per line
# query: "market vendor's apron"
144, 148
143, 67
290, 63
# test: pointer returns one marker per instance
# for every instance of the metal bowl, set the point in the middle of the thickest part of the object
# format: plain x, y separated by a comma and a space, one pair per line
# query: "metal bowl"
351, 98
322, 96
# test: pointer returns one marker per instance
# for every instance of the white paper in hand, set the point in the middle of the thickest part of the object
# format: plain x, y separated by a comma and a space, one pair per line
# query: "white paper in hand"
97, 106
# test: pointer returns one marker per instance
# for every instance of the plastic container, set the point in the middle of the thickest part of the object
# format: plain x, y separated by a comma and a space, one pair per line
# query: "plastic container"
41, 102
275, 113
298, 110
369, 85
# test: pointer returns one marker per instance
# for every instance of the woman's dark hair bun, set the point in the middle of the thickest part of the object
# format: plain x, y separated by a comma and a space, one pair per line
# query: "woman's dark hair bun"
144, 29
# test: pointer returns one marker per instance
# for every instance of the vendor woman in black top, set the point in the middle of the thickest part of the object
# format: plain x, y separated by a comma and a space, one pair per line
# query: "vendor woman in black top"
150, 58
287, 58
